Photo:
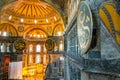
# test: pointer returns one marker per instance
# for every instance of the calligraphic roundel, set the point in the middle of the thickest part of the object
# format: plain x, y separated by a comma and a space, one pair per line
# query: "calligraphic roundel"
19, 45
50, 44
84, 27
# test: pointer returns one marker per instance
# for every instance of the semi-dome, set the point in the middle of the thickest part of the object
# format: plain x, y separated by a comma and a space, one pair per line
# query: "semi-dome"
30, 12
8, 30
36, 34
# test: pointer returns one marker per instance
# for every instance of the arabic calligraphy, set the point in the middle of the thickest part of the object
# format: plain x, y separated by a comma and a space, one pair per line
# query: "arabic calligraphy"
84, 23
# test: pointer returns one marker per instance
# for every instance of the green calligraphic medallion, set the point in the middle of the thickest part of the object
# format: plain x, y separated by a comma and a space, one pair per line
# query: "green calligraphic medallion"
19, 45
84, 27
50, 44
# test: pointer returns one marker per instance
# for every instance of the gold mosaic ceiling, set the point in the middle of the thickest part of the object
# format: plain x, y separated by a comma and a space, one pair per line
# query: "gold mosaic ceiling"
8, 30
36, 34
30, 12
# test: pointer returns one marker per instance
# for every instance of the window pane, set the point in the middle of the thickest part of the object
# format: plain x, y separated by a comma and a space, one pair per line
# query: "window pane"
38, 58
31, 48
38, 48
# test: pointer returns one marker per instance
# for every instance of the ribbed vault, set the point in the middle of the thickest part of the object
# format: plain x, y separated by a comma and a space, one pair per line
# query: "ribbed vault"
30, 12
8, 30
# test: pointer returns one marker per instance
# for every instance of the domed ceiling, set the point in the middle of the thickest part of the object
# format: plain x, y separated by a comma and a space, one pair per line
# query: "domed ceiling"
8, 30
30, 12
36, 34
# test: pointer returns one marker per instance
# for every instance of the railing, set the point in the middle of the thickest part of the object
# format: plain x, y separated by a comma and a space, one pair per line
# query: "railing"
98, 65
55, 52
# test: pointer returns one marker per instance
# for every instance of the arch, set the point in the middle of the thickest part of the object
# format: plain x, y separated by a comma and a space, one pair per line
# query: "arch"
58, 26
33, 28
42, 12
30, 48
9, 29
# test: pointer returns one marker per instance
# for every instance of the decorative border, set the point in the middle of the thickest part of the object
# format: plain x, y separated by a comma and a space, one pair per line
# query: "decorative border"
104, 29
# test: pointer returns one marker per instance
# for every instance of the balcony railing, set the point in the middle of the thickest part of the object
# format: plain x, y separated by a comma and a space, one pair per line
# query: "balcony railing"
98, 65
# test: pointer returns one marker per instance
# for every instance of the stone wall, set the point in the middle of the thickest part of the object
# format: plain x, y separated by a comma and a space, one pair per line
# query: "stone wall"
103, 59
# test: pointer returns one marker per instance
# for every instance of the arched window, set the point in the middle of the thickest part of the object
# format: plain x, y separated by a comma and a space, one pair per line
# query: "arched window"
58, 30
45, 50
61, 46
30, 48
38, 48
4, 34
38, 58
3, 47
8, 30
56, 47
30, 59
